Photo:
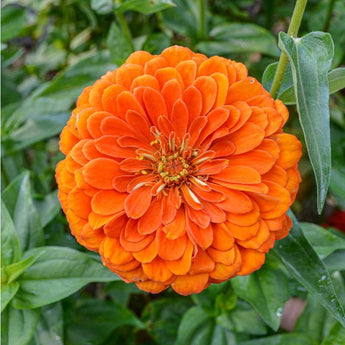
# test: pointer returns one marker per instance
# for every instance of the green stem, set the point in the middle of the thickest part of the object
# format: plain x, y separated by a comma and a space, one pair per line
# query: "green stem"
125, 28
292, 31
329, 15
202, 31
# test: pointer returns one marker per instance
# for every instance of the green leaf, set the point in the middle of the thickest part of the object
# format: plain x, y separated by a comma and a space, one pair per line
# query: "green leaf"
12, 20
48, 208
336, 82
118, 45
197, 328
10, 246
182, 18
145, 6
266, 290
56, 274
34, 130
57, 96
310, 58
102, 6
49, 329
164, 316
232, 38
18, 326
336, 79
243, 319
8, 291
281, 339
323, 241
17, 197
155, 43
336, 336
92, 321
335, 261
305, 266
337, 185
14, 270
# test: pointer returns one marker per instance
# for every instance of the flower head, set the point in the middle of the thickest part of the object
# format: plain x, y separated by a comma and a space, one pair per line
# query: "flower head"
177, 170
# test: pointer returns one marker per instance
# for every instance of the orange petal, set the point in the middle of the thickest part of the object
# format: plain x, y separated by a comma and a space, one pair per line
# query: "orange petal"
67, 141
216, 214
215, 119
179, 118
79, 203
187, 70
252, 260
290, 150
182, 265
112, 125
212, 65
166, 74
247, 138
96, 92
277, 174
170, 249
222, 237
193, 100
222, 87
151, 287
225, 257
275, 121
77, 153
109, 169
208, 88
109, 98
190, 198
186, 285
239, 174
243, 232
107, 202
157, 270
170, 205
108, 145
92, 238
176, 54
201, 263
154, 64
139, 125
154, 104
245, 219
138, 202
195, 129
235, 201
244, 89
127, 73
152, 219
97, 220
171, 92
224, 272
200, 218
84, 96
260, 160
145, 80
112, 251
255, 242
147, 254
139, 57
202, 237
126, 101
114, 226
177, 227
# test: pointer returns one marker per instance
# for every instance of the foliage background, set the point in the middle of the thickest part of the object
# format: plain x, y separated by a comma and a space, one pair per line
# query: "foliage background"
51, 50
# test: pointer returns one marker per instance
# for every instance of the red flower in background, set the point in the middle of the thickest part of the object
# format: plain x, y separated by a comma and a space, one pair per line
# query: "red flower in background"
177, 170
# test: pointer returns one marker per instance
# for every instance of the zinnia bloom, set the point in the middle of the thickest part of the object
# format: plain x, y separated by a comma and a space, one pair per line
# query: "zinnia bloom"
177, 170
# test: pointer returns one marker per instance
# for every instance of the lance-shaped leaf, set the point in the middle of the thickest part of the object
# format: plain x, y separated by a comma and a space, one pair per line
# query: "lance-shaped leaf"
310, 58
57, 273
305, 266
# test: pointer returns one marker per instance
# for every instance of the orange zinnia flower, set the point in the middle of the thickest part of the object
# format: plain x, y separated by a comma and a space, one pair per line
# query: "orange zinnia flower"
177, 170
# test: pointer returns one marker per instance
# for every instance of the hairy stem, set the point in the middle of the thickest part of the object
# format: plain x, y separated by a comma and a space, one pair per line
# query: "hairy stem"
292, 31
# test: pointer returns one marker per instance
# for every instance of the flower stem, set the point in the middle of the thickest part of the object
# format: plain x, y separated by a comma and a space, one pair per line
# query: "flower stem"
202, 20
125, 28
329, 15
292, 31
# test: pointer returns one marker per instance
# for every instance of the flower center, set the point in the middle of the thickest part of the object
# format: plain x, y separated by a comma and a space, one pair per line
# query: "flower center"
173, 168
